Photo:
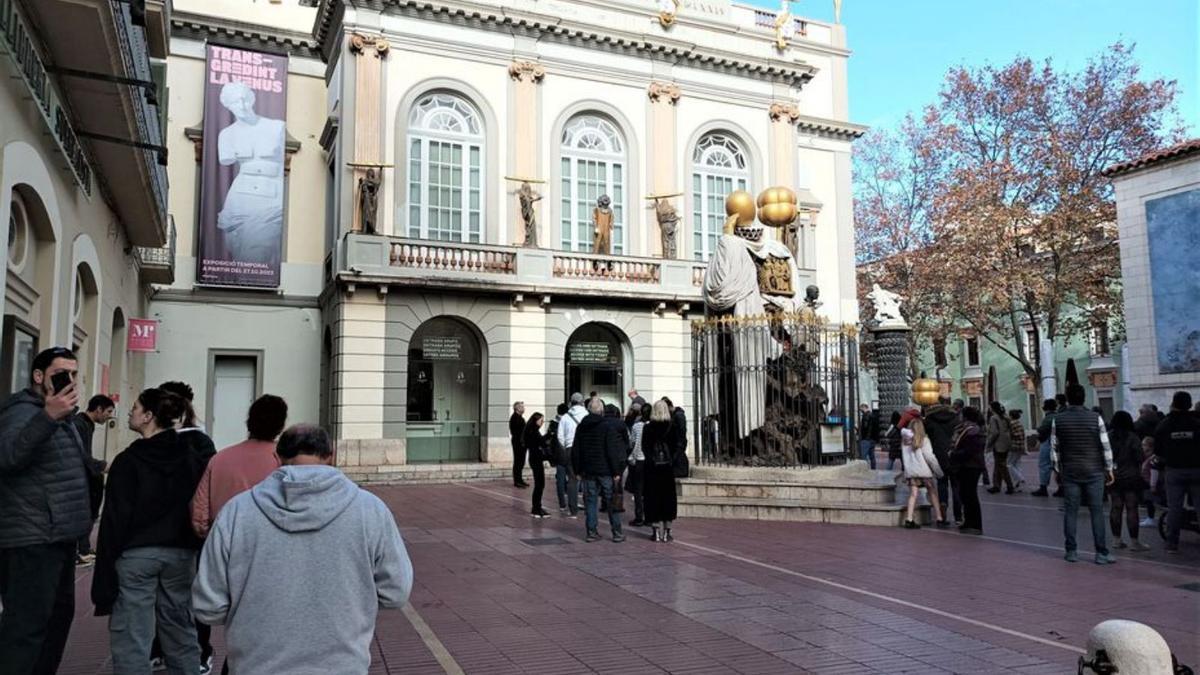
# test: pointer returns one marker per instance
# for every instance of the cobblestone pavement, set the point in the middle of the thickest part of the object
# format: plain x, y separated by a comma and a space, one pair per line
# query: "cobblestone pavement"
500, 592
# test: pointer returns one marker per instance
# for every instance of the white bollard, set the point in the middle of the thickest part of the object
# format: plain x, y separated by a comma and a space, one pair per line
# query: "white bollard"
1127, 648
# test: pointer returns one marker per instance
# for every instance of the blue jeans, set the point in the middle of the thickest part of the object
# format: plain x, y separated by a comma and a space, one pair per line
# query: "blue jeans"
1091, 489
1045, 465
567, 487
593, 486
866, 450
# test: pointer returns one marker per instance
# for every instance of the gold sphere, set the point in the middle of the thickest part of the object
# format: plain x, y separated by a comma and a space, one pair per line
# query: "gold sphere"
777, 206
925, 391
741, 203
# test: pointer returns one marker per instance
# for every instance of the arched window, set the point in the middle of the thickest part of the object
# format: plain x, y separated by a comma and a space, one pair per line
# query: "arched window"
718, 168
593, 164
445, 160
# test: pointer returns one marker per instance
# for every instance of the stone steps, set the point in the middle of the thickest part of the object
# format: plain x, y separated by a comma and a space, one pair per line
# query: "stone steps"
408, 474
797, 510
850, 494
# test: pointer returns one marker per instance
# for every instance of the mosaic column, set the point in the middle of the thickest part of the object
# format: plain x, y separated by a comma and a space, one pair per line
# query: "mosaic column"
891, 356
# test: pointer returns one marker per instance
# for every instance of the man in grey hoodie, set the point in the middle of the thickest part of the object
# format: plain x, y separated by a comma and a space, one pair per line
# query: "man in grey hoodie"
304, 548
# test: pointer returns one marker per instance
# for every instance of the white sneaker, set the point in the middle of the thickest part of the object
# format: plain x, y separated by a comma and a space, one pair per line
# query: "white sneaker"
206, 665
158, 664
1147, 522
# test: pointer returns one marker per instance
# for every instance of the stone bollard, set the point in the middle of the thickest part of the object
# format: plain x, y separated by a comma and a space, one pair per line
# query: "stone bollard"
1127, 648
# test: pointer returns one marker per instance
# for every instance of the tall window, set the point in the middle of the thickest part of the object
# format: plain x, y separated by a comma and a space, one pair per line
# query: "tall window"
718, 168
593, 164
445, 160
972, 351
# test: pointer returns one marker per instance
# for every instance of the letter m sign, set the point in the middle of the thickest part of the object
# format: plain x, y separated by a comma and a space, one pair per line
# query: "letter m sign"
143, 335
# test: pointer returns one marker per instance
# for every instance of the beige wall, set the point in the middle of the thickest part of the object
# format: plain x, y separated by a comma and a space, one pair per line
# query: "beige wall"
83, 231
287, 15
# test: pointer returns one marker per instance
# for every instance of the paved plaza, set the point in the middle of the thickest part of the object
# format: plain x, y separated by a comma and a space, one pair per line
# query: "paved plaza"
498, 592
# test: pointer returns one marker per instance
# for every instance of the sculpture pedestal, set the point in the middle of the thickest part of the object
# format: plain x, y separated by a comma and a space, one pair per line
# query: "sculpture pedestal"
891, 350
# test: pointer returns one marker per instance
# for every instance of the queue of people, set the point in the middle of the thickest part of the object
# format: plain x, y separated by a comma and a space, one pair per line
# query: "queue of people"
603, 455
188, 537
946, 449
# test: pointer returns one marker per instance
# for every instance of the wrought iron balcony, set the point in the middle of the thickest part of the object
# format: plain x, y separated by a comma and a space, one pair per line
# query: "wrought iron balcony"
156, 265
394, 261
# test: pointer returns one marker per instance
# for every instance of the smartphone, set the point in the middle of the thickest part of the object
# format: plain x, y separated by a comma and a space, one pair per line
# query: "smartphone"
60, 380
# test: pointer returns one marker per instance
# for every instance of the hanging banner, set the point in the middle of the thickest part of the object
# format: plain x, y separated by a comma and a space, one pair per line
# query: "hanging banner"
241, 186
143, 335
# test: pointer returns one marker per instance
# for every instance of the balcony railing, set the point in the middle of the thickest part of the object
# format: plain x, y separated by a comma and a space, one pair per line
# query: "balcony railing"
469, 258
157, 265
386, 261
137, 62
603, 268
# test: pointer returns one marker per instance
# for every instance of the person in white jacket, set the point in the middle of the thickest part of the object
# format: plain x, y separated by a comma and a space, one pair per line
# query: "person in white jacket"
920, 469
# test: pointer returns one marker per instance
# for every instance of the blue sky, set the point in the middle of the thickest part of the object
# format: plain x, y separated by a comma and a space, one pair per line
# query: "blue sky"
903, 48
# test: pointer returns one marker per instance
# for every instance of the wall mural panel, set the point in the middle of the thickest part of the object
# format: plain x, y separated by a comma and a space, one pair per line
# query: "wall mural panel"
1173, 230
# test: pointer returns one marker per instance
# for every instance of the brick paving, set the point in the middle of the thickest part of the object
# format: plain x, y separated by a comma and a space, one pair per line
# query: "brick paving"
505, 593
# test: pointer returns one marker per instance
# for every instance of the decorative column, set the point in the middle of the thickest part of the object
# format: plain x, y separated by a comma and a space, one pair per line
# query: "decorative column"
783, 143
663, 98
369, 52
891, 351
526, 75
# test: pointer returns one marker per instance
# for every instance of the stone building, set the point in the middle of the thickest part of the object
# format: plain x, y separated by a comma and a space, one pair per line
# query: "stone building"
411, 314
84, 188
1158, 213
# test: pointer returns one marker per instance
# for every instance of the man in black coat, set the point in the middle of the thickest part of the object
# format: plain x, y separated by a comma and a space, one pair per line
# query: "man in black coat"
1177, 445
43, 513
598, 457
516, 429
940, 422
99, 411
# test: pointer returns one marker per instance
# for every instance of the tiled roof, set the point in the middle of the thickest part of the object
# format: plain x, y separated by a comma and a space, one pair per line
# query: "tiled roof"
1174, 152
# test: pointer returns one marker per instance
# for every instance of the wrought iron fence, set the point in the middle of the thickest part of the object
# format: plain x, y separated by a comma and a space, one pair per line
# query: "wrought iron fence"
774, 390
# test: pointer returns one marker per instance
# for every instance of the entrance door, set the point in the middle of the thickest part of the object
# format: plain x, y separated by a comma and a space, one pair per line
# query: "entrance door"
596, 363
445, 393
235, 384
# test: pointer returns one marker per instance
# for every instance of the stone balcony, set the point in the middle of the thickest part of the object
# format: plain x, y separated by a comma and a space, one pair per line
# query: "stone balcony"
529, 274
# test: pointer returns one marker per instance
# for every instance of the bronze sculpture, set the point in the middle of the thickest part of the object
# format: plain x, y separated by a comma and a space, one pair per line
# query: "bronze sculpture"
368, 200
602, 222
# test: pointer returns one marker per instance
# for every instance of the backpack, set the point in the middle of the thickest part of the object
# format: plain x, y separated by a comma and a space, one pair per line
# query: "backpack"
553, 448
660, 454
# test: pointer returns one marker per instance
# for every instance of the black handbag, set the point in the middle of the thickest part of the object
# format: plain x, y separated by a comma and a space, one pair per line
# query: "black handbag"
681, 465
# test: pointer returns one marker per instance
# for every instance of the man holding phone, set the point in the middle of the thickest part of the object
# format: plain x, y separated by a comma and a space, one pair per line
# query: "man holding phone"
44, 511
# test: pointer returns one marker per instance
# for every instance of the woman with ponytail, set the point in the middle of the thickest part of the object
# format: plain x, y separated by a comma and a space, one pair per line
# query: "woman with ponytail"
146, 552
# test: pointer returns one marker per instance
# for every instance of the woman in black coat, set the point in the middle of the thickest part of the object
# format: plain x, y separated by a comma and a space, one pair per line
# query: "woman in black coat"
534, 441
661, 442
967, 464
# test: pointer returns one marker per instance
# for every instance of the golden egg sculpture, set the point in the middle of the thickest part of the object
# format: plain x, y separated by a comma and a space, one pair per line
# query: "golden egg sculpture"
741, 203
925, 391
777, 206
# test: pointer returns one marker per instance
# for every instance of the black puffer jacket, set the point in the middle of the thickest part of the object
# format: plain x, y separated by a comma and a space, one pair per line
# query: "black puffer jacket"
43, 482
940, 423
598, 449
147, 503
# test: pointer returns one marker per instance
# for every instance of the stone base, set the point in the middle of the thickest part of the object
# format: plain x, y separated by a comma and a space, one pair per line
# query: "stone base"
427, 473
851, 494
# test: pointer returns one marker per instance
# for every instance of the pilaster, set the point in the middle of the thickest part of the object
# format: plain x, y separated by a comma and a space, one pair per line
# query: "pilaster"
369, 51
526, 143
662, 99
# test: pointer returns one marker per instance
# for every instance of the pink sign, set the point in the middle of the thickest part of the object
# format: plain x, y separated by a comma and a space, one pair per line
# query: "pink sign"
143, 335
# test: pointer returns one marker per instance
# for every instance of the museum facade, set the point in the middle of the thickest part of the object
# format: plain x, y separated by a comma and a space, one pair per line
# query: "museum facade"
439, 299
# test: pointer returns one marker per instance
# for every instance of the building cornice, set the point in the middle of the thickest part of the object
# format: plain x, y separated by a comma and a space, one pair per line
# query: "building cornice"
828, 128
203, 28
557, 29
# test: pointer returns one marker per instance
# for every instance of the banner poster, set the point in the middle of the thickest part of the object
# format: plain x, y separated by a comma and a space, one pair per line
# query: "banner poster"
241, 185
